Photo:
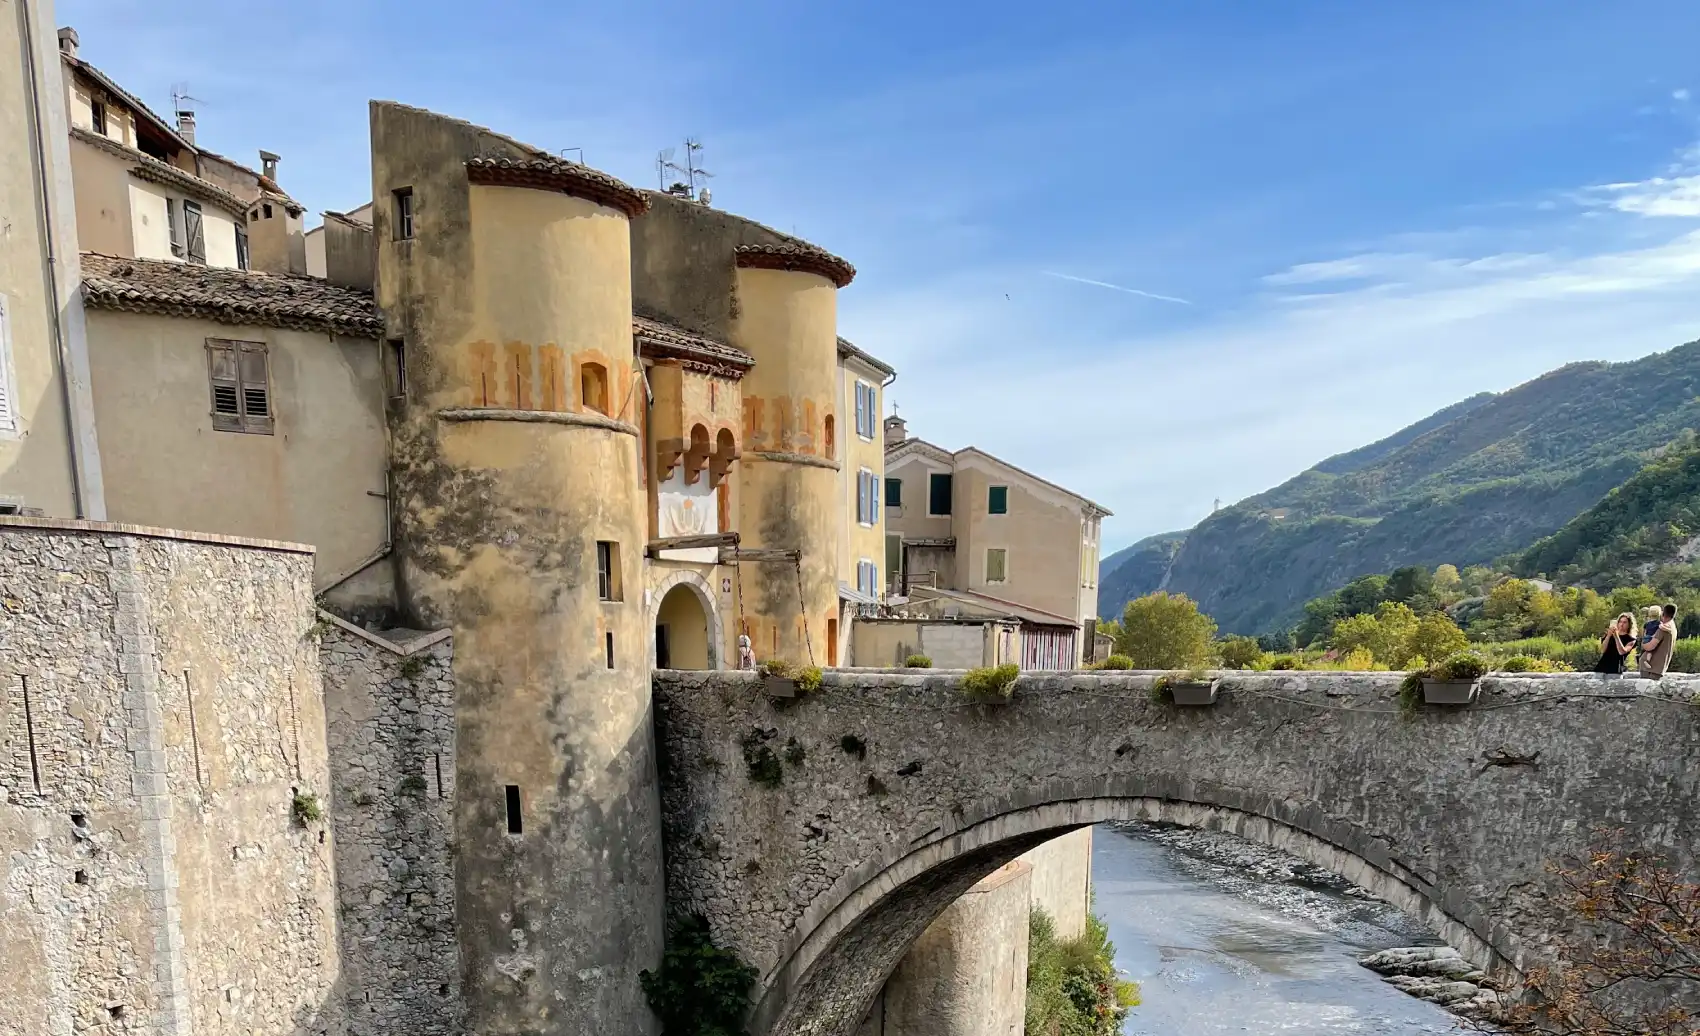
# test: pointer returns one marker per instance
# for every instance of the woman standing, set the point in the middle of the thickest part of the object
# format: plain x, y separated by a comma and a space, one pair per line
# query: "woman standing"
1616, 645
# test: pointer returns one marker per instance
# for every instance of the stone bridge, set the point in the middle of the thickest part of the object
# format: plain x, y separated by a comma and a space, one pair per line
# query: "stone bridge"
895, 796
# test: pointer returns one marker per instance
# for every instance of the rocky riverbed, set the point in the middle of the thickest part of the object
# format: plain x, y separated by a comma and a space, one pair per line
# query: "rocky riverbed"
1303, 951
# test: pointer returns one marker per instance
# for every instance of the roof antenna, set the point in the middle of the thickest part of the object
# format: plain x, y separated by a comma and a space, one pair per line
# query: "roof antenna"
184, 114
688, 188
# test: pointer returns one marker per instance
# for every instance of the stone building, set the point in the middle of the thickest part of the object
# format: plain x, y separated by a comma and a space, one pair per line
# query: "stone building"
543, 431
972, 535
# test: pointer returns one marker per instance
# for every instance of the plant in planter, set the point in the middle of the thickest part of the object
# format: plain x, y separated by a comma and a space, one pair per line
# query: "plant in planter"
1193, 687
1451, 682
917, 662
781, 679
992, 685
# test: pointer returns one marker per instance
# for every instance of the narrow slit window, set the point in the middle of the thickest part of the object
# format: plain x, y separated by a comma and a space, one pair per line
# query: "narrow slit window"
398, 367
608, 648
403, 213
241, 247
97, 117
516, 825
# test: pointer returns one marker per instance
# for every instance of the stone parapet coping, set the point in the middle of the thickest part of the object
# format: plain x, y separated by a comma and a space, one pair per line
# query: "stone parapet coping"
538, 417
780, 457
148, 532
405, 648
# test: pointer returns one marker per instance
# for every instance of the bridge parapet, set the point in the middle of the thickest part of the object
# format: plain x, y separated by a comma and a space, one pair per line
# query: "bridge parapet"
887, 795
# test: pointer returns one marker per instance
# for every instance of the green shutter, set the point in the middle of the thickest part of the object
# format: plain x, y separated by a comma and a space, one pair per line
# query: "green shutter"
997, 500
894, 492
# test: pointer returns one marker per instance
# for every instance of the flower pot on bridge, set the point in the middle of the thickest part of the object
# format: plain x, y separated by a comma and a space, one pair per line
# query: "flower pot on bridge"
1194, 692
1449, 692
779, 686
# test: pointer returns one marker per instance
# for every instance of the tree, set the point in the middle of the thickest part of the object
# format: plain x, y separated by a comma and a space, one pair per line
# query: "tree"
1639, 946
1166, 631
1434, 638
1240, 652
1409, 585
1383, 634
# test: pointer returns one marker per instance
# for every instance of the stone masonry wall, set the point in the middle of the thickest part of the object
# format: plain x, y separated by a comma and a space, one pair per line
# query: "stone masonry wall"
897, 795
392, 738
159, 714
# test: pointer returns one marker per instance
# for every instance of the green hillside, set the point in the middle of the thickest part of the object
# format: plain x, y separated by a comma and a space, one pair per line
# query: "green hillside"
1478, 480
1142, 565
1649, 521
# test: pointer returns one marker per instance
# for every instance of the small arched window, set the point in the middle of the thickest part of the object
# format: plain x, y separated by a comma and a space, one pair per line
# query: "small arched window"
831, 438
593, 387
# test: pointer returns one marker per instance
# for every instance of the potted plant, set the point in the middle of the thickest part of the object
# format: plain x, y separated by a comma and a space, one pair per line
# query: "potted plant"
1454, 681
781, 679
993, 685
1194, 687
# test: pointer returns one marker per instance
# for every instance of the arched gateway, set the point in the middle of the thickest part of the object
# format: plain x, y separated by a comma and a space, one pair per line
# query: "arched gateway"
897, 795
686, 622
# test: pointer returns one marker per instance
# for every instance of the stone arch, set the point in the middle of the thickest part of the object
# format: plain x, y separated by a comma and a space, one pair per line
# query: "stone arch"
853, 935
704, 593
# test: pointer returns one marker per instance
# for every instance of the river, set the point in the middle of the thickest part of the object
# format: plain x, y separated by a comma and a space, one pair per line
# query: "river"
1226, 937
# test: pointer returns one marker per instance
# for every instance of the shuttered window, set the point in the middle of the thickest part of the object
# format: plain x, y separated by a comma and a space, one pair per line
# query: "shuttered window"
194, 232
938, 494
997, 565
894, 493
241, 388
173, 228
867, 405
8, 401
997, 499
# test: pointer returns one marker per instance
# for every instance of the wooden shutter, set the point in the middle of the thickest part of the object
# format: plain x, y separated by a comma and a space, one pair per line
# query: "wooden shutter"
241, 392
171, 227
194, 232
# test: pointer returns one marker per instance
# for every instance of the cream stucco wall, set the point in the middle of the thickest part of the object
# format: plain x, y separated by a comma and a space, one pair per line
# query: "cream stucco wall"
102, 182
312, 481
1040, 534
861, 542
35, 445
912, 519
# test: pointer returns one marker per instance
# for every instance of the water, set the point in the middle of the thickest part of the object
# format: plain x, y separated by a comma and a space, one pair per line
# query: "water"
1224, 937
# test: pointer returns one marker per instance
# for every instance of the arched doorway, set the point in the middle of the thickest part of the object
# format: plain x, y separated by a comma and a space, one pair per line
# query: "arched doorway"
684, 633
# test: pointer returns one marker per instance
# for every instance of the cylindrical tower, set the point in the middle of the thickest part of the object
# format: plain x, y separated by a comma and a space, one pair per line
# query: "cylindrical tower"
504, 277
786, 317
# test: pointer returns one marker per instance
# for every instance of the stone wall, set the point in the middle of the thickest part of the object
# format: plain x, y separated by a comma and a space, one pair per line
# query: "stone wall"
905, 795
160, 718
1062, 881
389, 702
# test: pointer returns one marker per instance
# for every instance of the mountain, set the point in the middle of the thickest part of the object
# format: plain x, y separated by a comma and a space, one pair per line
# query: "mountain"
1482, 478
1650, 520
1136, 570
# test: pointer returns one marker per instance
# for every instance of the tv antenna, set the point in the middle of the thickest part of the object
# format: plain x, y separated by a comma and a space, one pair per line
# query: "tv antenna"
180, 110
689, 187
578, 149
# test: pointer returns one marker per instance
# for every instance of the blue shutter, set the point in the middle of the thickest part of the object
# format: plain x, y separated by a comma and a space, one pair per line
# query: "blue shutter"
873, 500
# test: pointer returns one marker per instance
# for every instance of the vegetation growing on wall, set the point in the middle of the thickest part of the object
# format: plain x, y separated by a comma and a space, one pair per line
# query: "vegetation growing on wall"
992, 683
1072, 986
917, 662
700, 989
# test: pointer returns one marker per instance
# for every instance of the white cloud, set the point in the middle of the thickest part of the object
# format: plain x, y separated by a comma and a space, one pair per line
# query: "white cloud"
1680, 94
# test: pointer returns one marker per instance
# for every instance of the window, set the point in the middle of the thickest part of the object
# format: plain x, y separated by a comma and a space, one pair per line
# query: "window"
194, 232
515, 824
894, 494
868, 577
398, 367
241, 392
593, 387
171, 227
831, 436
997, 499
8, 407
608, 648
938, 494
997, 565
403, 213
241, 247
607, 570
867, 409
268, 209
97, 117
867, 497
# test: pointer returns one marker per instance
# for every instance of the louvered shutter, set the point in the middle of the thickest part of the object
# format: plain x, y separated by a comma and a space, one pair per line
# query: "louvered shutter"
226, 387
194, 232
256, 392
241, 394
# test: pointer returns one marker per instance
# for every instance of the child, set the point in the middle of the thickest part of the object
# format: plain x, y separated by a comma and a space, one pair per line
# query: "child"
1653, 614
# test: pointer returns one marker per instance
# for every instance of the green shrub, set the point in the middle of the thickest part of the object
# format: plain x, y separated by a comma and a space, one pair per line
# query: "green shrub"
991, 682
1239, 652
1685, 656
1116, 662
917, 662
1465, 665
1286, 663
778, 667
808, 679
1518, 664
1072, 987
305, 808
700, 988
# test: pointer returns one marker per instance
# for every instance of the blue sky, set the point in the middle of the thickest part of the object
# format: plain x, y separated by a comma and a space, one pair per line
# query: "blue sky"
1162, 253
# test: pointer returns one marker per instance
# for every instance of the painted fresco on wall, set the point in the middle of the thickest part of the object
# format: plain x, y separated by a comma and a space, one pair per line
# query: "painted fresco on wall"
687, 510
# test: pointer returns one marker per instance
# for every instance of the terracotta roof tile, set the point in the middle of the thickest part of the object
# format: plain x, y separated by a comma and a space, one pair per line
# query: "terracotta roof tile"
152, 169
657, 339
227, 296
797, 255
848, 348
557, 174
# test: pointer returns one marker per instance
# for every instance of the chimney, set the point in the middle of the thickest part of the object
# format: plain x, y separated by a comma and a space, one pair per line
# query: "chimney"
186, 126
895, 431
268, 165
68, 41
